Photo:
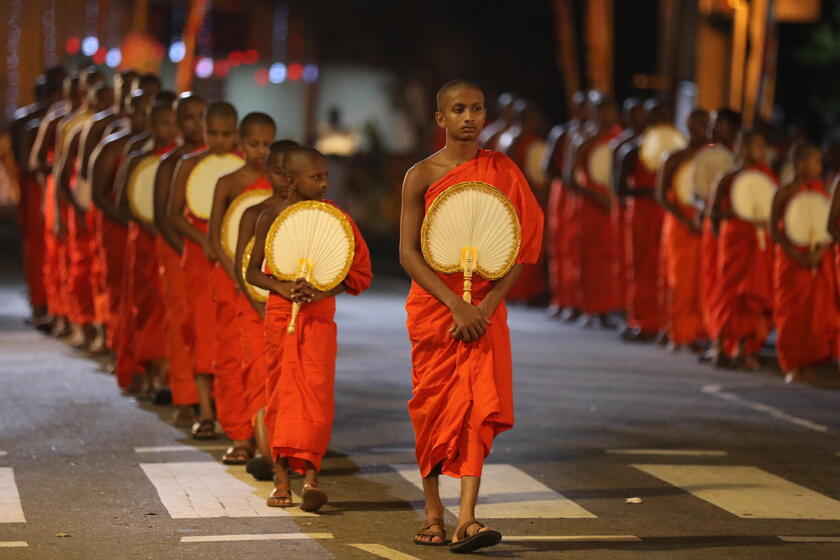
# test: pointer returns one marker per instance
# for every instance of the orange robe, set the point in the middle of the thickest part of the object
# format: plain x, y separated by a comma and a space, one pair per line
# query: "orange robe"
619, 268
252, 338
111, 243
98, 280
708, 278
463, 392
301, 369
80, 249
807, 307
147, 305
556, 258
32, 225
50, 270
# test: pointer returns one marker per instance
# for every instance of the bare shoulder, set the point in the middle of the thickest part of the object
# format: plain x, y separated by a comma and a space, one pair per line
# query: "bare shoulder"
425, 172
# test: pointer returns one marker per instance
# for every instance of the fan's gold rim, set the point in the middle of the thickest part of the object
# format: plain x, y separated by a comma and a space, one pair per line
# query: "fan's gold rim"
685, 167
291, 211
479, 186
241, 198
132, 187
256, 294
190, 180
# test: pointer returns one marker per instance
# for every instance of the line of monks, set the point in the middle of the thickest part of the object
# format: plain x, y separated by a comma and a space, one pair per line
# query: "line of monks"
623, 243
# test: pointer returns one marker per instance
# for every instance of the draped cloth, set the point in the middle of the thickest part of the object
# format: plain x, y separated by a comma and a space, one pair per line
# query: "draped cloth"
807, 306
34, 239
462, 392
54, 289
301, 369
557, 200
252, 340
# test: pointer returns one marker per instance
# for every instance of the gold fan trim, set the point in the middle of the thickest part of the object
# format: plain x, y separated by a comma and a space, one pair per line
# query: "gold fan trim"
255, 293
471, 186
190, 181
291, 211
227, 224
132, 186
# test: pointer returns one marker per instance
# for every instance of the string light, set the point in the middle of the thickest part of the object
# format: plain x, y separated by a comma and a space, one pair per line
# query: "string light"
113, 58
277, 73
90, 44
12, 56
310, 73
48, 26
204, 67
177, 51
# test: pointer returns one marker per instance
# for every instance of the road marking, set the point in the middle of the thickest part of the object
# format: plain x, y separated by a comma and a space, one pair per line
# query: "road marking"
674, 452
717, 391
747, 492
10, 508
384, 552
172, 448
209, 489
391, 450
3, 453
13, 544
571, 538
811, 539
258, 537
506, 493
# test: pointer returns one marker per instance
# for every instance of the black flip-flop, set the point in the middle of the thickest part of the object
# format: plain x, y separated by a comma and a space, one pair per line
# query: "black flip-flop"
480, 539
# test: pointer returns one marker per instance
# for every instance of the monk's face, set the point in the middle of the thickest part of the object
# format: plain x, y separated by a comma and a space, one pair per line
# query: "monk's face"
275, 174
754, 149
255, 143
811, 166
221, 135
309, 178
163, 127
462, 113
191, 121
138, 112
698, 125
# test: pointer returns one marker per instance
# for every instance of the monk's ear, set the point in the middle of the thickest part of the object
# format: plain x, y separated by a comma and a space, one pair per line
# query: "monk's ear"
439, 119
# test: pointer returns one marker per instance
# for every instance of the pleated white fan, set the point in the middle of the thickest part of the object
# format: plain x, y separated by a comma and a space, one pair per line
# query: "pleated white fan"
657, 142
141, 189
806, 219
710, 164
230, 223
256, 293
600, 164
201, 183
311, 240
471, 227
684, 182
752, 200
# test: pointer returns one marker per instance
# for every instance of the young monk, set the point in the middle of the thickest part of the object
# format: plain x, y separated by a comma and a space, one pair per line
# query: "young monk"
251, 313
455, 420
301, 365
169, 246
681, 241
807, 304
197, 262
745, 268
256, 134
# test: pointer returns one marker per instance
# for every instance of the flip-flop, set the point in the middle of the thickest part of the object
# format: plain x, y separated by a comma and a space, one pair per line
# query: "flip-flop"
237, 455
427, 531
280, 501
205, 429
312, 498
481, 539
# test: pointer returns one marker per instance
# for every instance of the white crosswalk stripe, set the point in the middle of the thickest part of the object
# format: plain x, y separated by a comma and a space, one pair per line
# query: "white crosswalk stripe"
11, 510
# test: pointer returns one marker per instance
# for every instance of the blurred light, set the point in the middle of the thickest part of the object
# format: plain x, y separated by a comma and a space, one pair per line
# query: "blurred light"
72, 45
295, 72
177, 51
251, 56
113, 58
204, 67
277, 73
310, 72
235, 58
221, 68
261, 77
99, 56
90, 45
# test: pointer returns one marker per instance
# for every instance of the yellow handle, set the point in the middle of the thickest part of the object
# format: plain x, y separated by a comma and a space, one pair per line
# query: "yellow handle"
295, 310
304, 273
759, 233
469, 257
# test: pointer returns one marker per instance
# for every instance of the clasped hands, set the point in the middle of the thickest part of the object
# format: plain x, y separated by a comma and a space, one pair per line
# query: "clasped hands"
303, 292
469, 321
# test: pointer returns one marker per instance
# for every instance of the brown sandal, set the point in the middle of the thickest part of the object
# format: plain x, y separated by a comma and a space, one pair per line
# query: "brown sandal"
237, 455
427, 531
281, 496
480, 539
312, 498
205, 429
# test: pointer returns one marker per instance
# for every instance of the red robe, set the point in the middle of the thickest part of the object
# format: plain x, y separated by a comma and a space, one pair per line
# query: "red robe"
111, 242
32, 225
56, 304
463, 392
807, 306
252, 338
301, 369
556, 258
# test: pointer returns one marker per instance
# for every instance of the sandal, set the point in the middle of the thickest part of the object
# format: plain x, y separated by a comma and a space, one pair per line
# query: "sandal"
205, 429
237, 455
427, 531
480, 539
281, 496
312, 498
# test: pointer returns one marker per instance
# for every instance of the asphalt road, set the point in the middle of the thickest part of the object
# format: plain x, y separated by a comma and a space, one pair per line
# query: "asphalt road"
715, 464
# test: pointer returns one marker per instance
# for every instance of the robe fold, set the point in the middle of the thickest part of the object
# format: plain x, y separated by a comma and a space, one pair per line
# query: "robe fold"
50, 269
463, 392
147, 305
301, 369
556, 259
252, 338
708, 278
619, 267
80, 248
32, 225
807, 306
98, 281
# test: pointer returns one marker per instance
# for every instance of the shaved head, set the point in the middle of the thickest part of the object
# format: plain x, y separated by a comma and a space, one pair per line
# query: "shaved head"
453, 85
298, 157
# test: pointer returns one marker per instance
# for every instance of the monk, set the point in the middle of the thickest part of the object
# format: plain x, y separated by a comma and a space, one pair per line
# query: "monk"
504, 120
198, 258
256, 134
745, 265
596, 247
169, 246
455, 420
150, 84
807, 304
834, 229
251, 313
301, 365
681, 240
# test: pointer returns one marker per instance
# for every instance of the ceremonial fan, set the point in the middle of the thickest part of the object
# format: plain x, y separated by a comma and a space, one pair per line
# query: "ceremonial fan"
256, 293
471, 227
141, 189
752, 199
657, 142
806, 220
201, 184
709, 164
313, 241
230, 223
600, 164
684, 182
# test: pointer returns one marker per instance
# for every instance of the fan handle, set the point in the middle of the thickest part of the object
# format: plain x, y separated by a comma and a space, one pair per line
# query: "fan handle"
305, 273
759, 234
469, 257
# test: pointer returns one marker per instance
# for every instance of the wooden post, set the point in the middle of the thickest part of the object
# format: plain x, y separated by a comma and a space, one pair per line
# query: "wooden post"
740, 26
755, 58
564, 30
599, 44
183, 79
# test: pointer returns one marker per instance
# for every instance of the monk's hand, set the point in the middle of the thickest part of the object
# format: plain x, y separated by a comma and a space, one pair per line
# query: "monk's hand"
303, 292
470, 322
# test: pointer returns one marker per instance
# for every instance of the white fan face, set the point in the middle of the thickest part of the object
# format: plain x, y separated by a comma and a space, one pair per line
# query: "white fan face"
141, 189
201, 184
471, 215
230, 224
711, 163
600, 164
684, 182
806, 219
257, 293
316, 232
752, 196
658, 142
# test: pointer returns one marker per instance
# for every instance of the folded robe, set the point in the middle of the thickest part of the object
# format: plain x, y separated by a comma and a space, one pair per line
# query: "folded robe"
463, 392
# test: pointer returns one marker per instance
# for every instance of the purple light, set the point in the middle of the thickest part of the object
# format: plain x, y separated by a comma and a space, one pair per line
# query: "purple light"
113, 58
310, 73
204, 67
